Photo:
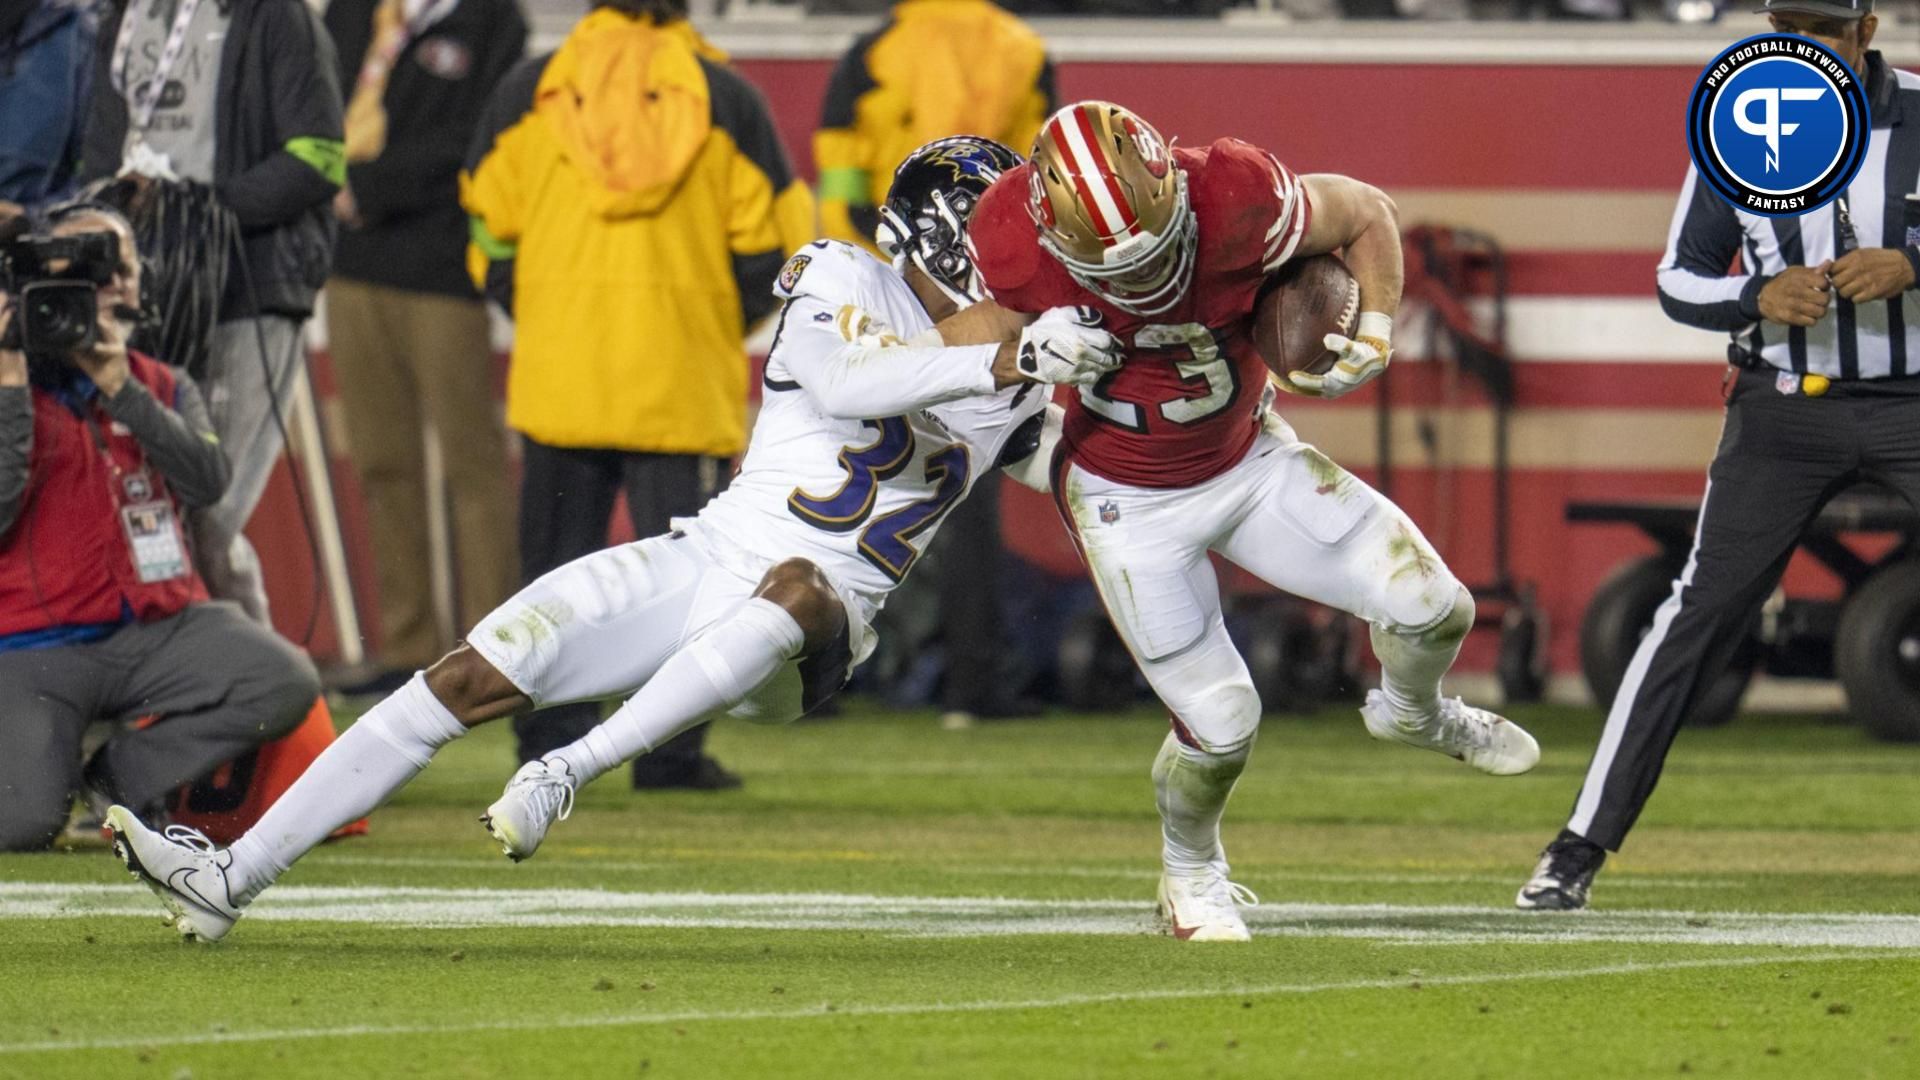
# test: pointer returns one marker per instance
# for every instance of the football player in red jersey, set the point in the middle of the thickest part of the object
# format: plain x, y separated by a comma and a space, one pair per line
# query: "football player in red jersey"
1176, 454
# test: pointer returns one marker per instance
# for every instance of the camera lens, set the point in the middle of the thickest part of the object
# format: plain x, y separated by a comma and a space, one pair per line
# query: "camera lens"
57, 316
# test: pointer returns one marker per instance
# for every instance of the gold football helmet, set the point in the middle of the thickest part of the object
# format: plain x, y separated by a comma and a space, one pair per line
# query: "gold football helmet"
1112, 206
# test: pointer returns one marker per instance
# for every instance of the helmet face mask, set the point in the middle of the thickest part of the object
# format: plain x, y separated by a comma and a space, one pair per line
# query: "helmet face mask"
1113, 208
934, 191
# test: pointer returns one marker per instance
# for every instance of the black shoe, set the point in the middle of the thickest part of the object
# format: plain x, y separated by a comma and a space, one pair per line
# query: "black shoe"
706, 774
1565, 873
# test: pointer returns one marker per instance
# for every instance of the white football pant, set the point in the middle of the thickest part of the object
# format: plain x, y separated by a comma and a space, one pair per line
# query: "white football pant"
600, 626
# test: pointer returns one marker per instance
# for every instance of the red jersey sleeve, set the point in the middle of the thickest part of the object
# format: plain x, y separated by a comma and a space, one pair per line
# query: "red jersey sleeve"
1250, 177
1005, 244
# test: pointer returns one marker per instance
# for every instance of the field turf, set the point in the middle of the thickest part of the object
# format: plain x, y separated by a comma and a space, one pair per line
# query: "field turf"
886, 899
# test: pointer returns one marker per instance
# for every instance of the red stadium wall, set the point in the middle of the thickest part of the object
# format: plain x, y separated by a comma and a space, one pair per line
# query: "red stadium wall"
1572, 168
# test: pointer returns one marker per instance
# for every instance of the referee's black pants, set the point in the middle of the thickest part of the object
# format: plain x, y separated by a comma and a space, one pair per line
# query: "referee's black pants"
1781, 457
566, 501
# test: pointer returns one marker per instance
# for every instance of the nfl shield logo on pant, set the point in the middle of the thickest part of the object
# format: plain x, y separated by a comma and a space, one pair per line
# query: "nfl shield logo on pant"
1109, 512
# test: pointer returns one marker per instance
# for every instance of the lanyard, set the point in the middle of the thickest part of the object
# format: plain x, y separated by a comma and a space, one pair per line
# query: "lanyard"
169, 55
1849, 239
115, 474
373, 71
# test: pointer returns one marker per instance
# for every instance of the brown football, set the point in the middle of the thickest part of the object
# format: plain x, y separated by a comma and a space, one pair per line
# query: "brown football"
1301, 304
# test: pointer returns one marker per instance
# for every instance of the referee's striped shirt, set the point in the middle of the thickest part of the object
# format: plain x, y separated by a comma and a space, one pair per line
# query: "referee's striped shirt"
1851, 341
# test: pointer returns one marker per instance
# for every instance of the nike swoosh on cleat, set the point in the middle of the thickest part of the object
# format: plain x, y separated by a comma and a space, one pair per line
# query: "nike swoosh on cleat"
182, 883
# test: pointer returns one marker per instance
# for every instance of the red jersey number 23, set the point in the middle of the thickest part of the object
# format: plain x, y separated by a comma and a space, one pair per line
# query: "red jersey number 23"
1206, 365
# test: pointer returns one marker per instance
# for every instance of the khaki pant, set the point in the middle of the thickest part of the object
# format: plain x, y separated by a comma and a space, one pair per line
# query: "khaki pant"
406, 361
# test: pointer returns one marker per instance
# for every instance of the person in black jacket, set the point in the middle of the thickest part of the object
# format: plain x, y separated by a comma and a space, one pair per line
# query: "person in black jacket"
250, 107
407, 331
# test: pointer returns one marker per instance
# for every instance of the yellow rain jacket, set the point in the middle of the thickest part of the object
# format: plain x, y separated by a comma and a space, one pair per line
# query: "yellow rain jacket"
937, 68
631, 204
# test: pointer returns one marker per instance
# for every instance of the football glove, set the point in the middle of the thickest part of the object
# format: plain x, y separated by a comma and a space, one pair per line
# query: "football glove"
1358, 361
1066, 345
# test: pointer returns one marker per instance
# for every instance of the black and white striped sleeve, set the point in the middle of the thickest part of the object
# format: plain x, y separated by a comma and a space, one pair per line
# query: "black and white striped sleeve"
1695, 285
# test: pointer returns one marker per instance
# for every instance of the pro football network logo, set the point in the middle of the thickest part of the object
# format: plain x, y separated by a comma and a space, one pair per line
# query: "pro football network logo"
1778, 125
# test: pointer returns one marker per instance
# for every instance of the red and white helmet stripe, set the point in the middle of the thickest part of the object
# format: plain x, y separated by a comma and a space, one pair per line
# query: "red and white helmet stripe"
1092, 174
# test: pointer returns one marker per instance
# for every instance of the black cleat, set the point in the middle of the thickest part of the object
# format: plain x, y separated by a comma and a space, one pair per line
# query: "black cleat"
1565, 874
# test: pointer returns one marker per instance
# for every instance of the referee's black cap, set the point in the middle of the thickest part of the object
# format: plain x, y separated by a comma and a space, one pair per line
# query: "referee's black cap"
1832, 9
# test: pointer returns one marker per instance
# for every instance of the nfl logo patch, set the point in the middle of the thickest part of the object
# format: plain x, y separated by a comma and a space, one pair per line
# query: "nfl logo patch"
1913, 233
1109, 512
790, 273
1786, 382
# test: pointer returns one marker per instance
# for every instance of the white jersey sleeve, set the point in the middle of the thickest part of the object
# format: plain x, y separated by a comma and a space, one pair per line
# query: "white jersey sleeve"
840, 342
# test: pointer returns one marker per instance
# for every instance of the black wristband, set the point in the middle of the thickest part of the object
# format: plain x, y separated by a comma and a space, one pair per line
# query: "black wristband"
1912, 252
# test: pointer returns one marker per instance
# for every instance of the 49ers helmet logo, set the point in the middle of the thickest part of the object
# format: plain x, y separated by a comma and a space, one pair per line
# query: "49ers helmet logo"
1153, 152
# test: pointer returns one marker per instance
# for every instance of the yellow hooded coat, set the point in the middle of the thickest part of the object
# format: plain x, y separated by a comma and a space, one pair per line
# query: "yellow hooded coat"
937, 68
632, 196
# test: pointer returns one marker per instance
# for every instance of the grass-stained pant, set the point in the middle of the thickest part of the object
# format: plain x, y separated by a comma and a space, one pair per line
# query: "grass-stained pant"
1287, 514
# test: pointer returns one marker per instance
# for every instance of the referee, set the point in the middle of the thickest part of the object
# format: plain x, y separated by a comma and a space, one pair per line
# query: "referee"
1825, 392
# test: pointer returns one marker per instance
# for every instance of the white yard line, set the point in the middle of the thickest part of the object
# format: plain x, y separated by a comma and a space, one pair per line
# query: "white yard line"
972, 916
925, 1008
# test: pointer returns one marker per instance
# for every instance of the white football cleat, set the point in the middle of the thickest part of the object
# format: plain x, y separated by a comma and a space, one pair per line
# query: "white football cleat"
1484, 740
537, 796
1204, 906
183, 868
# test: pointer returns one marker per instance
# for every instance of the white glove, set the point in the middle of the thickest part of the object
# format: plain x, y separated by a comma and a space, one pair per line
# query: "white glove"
1066, 345
1361, 359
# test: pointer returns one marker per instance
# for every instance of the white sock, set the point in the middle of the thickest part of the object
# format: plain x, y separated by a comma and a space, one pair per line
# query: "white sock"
369, 762
1192, 788
1411, 665
714, 672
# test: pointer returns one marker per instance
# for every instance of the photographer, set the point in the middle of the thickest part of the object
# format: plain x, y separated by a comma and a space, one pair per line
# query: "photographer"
101, 614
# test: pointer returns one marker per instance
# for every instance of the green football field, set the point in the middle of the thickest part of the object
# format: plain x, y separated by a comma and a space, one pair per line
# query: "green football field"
889, 899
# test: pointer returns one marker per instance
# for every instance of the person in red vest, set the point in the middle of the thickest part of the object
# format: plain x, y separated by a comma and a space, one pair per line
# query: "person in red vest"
102, 616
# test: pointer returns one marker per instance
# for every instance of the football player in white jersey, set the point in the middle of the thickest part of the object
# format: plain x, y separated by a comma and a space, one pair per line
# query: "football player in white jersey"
875, 423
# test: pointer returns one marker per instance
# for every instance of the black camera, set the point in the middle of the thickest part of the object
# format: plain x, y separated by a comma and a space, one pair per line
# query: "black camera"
52, 281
